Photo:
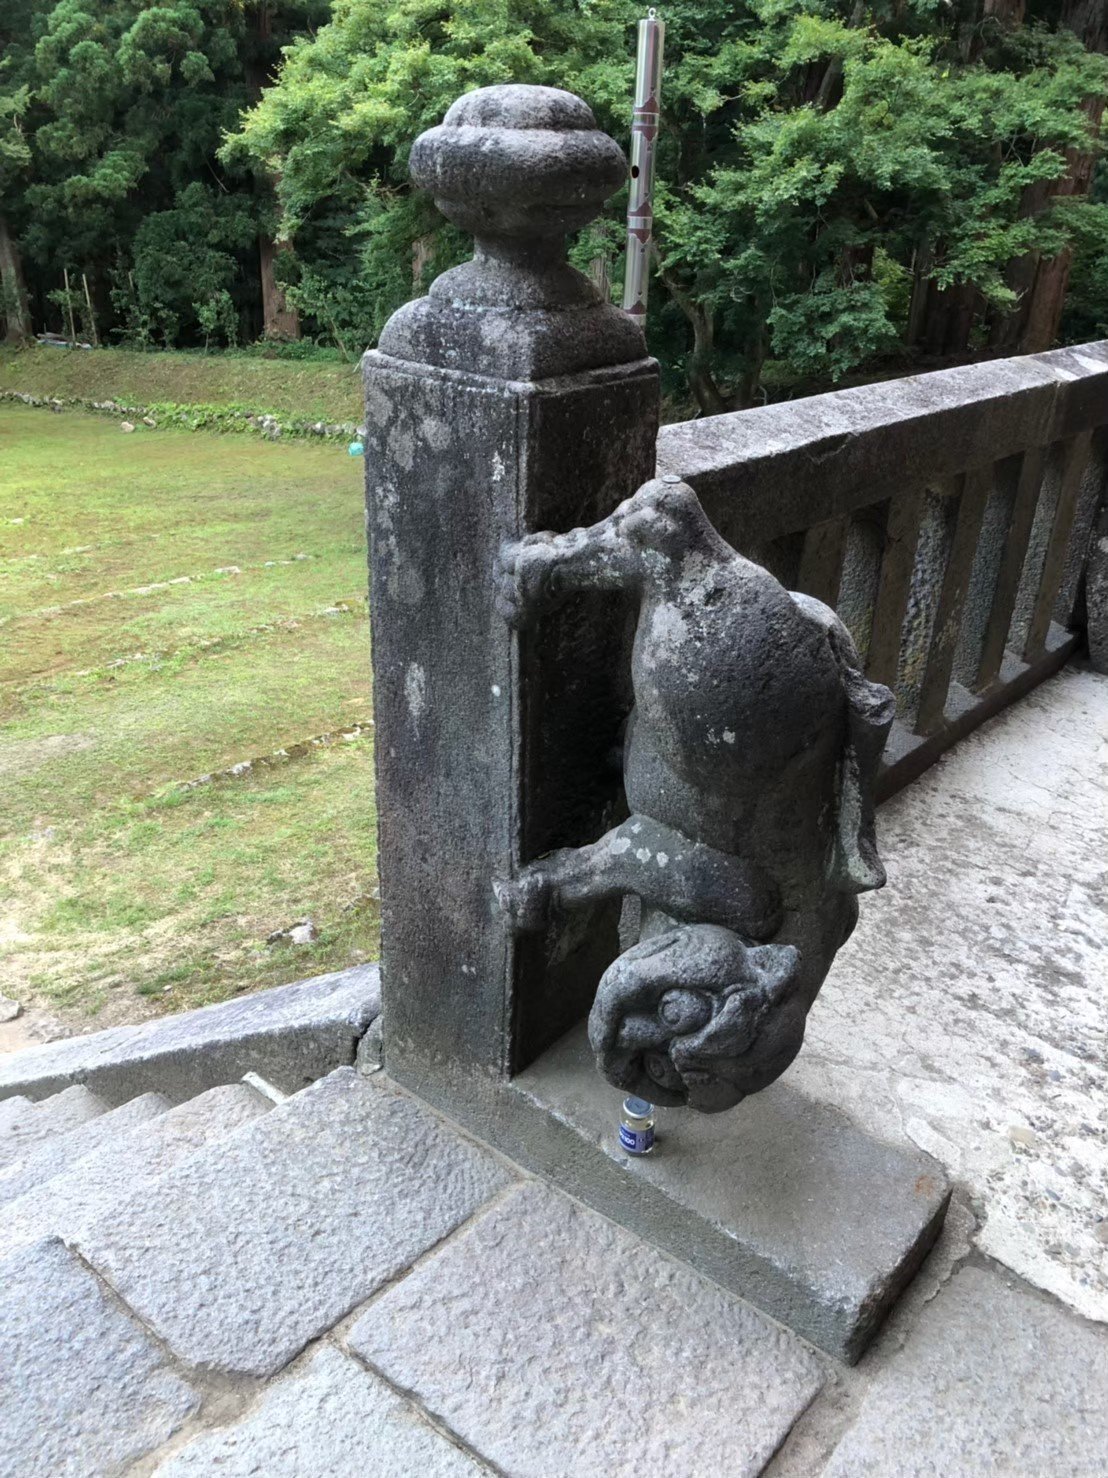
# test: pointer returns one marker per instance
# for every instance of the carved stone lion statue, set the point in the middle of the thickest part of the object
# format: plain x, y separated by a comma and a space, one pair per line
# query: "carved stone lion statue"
749, 766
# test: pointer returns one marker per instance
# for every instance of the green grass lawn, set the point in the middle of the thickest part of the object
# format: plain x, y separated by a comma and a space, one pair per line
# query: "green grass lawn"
172, 603
315, 390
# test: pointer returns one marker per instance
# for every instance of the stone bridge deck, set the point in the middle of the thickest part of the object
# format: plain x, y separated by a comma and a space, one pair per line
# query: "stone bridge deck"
341, 1283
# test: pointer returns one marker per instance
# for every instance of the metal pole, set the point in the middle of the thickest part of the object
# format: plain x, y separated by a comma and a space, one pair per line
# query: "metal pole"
69, 308
91, 315
644, 139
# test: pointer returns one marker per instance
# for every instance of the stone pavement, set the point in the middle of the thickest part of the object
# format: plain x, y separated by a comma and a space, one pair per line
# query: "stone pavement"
343, 1283
969, 1013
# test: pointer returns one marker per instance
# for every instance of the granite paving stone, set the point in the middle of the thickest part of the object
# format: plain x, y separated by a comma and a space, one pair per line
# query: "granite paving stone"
241, 1254
83, 1389
557, 1344
44, 1121
994, 1382
117, 1170
333, 1417
47, 1160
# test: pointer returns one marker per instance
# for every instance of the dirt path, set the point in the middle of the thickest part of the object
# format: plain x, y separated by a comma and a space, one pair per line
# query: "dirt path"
31, 1029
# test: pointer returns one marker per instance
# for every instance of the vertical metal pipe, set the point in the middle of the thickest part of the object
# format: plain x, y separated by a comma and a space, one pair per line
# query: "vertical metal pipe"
69, 309
644, 140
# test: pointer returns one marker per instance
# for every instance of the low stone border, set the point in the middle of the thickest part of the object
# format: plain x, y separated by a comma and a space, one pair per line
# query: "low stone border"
291, 1036
277, 756
221, 643
196, 417
153, 588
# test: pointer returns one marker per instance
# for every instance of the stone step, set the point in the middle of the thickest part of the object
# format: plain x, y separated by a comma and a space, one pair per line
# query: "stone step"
84, 1389
127, 1165
58, 1154
12, 1112
553, 1342
36, 1123
333, 1417
290, 1223
765, 1200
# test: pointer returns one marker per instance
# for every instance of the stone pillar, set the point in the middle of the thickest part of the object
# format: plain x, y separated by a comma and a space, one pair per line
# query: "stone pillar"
511, 399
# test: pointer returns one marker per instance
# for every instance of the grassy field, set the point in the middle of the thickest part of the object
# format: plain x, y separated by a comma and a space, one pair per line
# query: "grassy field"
314, 390
171, 604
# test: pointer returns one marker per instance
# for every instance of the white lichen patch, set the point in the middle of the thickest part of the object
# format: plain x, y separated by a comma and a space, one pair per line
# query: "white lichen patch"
415, 691
667, 631
401, 447
436, 434
378, 406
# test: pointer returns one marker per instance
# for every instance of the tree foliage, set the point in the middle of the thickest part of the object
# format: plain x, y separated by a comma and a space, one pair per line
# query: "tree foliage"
842, 184
121, 106
823, 163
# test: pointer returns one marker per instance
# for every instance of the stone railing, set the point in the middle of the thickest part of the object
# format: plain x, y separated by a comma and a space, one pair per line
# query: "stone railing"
947, 517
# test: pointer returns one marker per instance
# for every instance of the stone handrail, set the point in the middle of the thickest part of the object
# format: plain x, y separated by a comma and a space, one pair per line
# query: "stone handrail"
946, 516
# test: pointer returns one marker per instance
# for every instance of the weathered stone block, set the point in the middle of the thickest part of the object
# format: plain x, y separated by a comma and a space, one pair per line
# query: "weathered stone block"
332, 1417
241, 1254
994, 1381
119, 1169
783, 1201
552, 1342
462, 991
83, 1388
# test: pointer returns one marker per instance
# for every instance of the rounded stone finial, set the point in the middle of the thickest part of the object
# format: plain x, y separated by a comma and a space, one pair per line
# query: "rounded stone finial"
518, 162
519, 168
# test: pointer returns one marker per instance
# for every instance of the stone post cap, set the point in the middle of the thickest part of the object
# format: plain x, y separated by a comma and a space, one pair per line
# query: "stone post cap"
519, 168
518, 162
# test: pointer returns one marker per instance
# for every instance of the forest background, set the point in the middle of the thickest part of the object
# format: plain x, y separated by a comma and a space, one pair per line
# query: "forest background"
845, 189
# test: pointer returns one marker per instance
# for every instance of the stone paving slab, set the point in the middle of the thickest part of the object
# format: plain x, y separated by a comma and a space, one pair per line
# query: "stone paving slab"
333, 1417
101, 1181
557, 1344
44, 1121
967, 1013
994, 1382
58, 1154
83, 1389
241, 1254
291, 1036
